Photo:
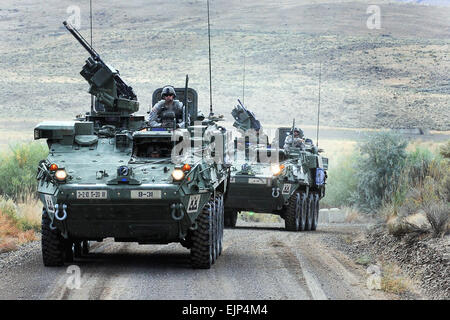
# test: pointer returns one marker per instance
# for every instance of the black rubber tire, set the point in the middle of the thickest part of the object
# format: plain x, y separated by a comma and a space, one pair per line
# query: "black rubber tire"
68, 252
230, 218
52, 243
303, 212
292, 215
219, 203
85, 247
309, 211
77, 251
202, 244
215, 232
316, 212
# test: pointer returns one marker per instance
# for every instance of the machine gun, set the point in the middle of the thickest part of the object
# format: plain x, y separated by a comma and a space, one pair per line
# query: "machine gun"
244, 119
105, 82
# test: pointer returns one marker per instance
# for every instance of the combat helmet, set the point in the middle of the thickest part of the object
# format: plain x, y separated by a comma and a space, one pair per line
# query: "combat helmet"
300, 131
168, 90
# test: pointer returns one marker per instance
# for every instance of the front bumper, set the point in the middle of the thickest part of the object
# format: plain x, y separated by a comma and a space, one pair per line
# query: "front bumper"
117, 214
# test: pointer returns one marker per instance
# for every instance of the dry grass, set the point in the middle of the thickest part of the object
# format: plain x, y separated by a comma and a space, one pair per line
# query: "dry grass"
392, 281
438, 216
336, 150
30, 210
18, 223
432, 146
11, 235
353, 215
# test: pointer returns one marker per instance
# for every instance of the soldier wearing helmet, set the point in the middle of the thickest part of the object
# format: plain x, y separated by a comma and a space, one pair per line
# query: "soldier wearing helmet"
295, 140
164, 111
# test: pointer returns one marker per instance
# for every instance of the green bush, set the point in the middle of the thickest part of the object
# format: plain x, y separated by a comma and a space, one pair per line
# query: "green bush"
418, 165
445, 150
424, 187
18, 169
341, 182
378, 170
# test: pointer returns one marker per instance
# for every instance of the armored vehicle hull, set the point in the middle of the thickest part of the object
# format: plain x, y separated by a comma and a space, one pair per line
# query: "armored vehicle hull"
110, 189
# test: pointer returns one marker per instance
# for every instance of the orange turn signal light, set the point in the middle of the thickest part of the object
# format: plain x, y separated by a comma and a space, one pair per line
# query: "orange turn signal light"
53, 167
186, 167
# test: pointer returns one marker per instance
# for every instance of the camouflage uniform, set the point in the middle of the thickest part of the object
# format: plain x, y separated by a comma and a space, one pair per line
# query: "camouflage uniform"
176, 106
293, 142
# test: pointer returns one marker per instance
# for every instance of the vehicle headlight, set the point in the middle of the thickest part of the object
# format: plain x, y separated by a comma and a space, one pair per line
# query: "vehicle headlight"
276, 169
177, 174
61, 174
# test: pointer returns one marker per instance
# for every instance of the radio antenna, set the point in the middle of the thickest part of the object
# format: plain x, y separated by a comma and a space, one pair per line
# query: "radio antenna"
318, 107
243, 84
90, 10
211, 113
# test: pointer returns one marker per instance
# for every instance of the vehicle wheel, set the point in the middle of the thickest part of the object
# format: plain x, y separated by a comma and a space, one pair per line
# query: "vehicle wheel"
292, 216
220, 203
316, 212
53, 244
85, 247
215, 229
230, 218
303, 212
68, 251
309, 211
202, 245
77, 251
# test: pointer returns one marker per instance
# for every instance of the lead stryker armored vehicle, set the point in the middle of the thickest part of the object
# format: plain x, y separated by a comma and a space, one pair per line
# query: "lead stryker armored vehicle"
110, 175
290, 186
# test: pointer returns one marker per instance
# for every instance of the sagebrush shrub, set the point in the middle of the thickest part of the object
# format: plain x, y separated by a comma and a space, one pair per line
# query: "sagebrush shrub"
341, 182
438, 217
378, 170
18, 169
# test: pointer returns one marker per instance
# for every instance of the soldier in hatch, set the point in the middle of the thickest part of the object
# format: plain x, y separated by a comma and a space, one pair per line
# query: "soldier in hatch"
163, 112
295, 140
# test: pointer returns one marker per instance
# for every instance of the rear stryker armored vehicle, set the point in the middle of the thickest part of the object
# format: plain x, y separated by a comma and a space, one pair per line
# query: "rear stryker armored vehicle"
108, 174
305, 174
285, 185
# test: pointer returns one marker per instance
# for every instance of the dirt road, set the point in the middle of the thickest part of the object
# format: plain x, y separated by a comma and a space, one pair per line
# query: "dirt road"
260, 261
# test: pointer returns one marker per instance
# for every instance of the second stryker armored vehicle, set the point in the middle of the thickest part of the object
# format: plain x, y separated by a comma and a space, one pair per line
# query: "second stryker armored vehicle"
290, 185
108, 174
306, 172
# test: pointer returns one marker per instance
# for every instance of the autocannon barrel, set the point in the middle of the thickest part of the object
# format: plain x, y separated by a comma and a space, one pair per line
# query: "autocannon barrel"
81, 40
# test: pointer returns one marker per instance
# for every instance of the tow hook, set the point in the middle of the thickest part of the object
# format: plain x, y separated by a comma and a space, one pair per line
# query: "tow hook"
177, 212
275, 192
58, 211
